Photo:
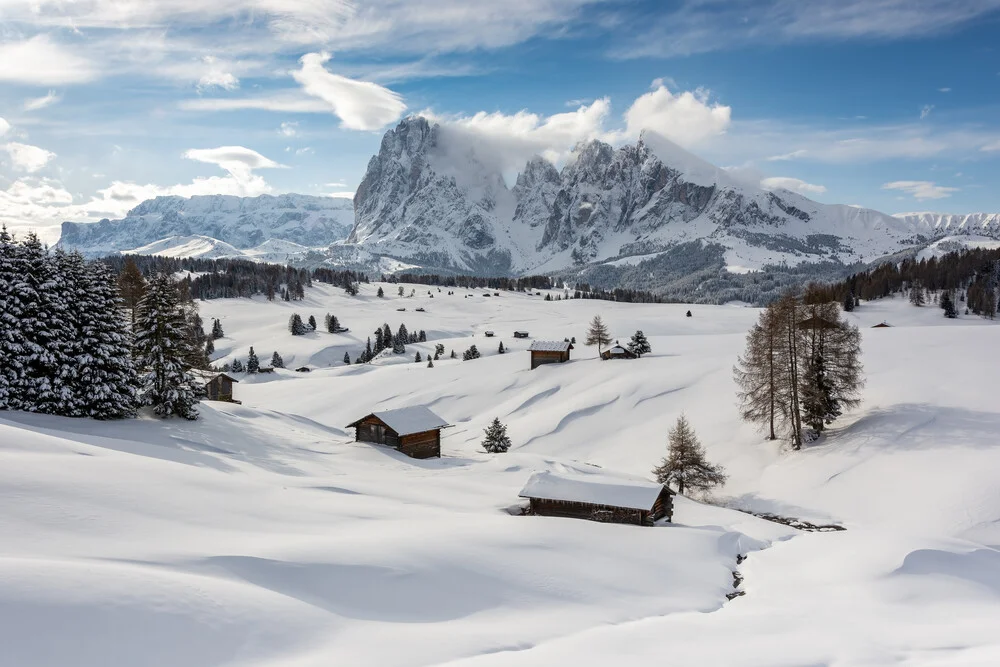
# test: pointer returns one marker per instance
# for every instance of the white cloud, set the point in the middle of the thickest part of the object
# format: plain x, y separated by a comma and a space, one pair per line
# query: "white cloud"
787, 156
36, 103
793, 184
360, 105
926, 110
305, 150
40, 61
239, 161
289, 102
921, 189
944, 90
288, 129
25, 157
5, 126
993, 146
217, 75
686, 118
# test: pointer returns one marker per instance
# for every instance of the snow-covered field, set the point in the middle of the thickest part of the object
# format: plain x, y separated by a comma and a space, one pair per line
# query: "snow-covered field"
263, 535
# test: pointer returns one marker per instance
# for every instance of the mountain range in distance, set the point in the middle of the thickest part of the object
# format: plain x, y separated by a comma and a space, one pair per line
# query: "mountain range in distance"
646, 215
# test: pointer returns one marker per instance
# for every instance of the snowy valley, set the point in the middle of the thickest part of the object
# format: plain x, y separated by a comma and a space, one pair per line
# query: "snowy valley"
262, 534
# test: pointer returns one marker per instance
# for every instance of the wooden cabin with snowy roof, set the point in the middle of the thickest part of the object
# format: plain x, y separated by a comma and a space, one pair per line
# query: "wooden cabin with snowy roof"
598, 497
618, 352
218, 385
414, 431
549, 352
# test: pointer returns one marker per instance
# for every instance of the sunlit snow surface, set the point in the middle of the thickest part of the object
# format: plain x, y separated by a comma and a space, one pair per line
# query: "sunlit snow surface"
263, 535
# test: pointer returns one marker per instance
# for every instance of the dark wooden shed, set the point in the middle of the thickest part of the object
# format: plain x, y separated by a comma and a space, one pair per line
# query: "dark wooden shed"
617, 352
218, 385
549, 352
414, 431
598, 497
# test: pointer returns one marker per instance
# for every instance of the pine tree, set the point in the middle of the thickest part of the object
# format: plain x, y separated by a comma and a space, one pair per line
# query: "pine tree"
500, 349
917, 295
400, 340
832, 374
381, 293
209, 348
107, 379
685, 466
379, 342
759, 374
849, 302
296, 325
277, 361
387, 340
132, 286
417, 358
253, 363
471, 353
312, 322
401, 291
689, 313
638, 345
347, 358
422, 336
217, 330
237, 366
438, 349
12, 342
430, 363
948, 305
496, 440
598, 334
453, 356
368, 351
161, 342
41, 324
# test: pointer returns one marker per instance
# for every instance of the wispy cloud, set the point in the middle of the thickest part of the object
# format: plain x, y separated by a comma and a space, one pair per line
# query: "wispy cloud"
25, 157
360, 105
926, 110
41, 61
36, 103
944, 90
788, 156
988, 148
793, 184
921, 189
288, 129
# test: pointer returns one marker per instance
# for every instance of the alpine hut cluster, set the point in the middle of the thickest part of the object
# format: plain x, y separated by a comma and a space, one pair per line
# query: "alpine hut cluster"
414, 431
598, 497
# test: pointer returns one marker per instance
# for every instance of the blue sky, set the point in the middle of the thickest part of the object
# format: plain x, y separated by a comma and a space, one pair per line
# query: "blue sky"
890, 104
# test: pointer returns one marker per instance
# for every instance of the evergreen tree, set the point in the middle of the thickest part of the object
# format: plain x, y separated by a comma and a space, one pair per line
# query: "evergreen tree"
217, 330
270, 292
685, 466
849, 302
209, 348
689, 313
417, 358
161, 342
312, 322
237, 366
253, 363
496, 440
12, 341
296, 325
453, 356
400, 340
387, 339
948, 305
917, 295
401, 292
500, 349
347, 358
42, 325
368, 351
438, 349
598, 334
430, 363
326, 323
379, 341
381, 293
277, 361
638, 345
132, 286
422, 337
471, 353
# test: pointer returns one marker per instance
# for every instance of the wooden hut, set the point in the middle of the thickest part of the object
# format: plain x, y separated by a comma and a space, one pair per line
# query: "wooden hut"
882, 325
617, 352
520, 334
218, 385
414, 431
549, 352
598, 497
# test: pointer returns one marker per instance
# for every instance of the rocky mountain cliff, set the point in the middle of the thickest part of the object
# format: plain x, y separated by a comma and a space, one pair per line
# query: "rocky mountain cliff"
243, 223
428, 200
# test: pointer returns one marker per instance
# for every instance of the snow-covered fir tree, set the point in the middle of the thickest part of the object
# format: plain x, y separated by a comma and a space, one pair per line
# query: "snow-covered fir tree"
217, 332
501, 350
496, 441
639, 345
161, 343
296, 326
312, 322
209, 347
471, 353
948, 305
253, 363
380, 293
417, 358
12, 342
237, 366
277, 361
347, 358
430, 363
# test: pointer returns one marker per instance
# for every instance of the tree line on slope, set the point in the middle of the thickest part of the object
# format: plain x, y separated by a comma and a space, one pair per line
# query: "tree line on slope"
74, 343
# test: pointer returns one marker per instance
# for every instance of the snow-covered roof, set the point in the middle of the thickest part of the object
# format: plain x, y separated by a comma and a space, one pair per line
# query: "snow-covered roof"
405, 421
208, 376
617, 349
595, 489
549, 346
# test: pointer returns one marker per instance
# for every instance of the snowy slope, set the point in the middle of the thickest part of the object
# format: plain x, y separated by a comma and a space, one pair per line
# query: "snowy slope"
241, 222
262, 535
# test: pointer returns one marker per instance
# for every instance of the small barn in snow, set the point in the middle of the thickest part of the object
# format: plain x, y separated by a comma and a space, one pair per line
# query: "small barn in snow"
617, 352
882, 325
218, 385
549, 352
598, 497
414, 431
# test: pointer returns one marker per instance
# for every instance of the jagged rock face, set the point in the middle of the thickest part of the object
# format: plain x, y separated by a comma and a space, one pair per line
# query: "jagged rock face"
241, 222
426, 201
